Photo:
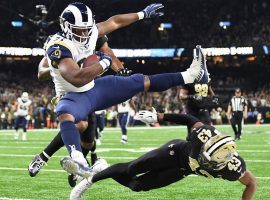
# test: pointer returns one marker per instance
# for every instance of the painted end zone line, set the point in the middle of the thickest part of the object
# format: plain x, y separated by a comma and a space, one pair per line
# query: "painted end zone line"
56, 170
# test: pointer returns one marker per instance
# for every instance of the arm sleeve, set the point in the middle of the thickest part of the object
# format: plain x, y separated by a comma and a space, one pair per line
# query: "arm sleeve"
57, 52
101, 41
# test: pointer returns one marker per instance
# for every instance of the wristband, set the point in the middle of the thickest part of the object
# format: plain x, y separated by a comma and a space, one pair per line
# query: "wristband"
105, 63
140, 15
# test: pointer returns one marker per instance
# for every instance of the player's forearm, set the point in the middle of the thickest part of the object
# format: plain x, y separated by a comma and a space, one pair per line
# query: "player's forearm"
81, 77
182, 119
249, 191
116, 64
116, 22
43, 70
124, 19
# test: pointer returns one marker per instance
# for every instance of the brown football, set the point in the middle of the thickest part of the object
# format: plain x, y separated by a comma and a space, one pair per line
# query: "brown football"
90, 60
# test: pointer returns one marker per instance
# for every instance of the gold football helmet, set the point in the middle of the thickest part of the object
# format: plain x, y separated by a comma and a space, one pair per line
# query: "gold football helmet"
217, 152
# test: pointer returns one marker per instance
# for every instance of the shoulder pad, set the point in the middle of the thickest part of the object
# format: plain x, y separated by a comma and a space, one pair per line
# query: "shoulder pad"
57, 52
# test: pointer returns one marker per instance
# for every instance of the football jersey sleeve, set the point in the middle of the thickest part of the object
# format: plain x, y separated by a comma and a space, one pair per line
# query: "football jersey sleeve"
235, 169
57, 52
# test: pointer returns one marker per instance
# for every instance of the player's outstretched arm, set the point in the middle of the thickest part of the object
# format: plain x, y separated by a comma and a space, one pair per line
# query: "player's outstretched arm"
249, 180
118, 21
43, 70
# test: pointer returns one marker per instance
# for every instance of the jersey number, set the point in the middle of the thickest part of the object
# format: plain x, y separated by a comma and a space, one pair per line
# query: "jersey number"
23, 107
204, 135
234, 164
201, 89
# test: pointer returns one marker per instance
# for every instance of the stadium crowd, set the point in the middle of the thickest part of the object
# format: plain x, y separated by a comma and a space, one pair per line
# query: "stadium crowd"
168, 101
249, 23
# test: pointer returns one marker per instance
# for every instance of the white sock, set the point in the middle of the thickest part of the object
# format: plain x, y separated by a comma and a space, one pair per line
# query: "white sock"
78, 156
23, 135
187, 77
46, 155
16, 135
124, 137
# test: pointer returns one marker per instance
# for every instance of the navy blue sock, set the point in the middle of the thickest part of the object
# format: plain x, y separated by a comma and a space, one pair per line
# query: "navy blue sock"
70, 135
161, 82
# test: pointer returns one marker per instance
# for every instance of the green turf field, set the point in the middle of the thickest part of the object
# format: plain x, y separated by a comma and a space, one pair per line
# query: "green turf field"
51, 182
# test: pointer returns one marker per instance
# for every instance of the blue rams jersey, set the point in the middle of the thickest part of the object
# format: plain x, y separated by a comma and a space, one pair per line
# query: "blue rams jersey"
234, 169
58, 47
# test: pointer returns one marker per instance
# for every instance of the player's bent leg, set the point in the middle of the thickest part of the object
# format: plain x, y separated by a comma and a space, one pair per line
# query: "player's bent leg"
197, 72
73, 107
156, 159
123, 89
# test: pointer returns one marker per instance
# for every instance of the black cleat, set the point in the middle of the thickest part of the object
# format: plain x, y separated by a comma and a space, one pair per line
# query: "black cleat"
72, 180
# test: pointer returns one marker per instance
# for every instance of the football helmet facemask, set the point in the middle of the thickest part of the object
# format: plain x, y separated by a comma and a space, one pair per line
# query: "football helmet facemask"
77, 23
217, 152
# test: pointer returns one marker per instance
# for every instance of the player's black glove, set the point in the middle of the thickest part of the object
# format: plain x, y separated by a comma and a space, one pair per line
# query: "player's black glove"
152, 11
105, 60
124, 72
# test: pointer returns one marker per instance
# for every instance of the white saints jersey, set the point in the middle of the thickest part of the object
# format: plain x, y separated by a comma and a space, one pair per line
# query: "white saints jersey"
23, 107
58, 47
123, 107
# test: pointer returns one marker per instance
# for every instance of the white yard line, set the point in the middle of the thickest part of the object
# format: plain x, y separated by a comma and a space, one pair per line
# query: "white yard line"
140, 150
113, 157
137, 128
105, 157
55, 170
25, 169
6, 198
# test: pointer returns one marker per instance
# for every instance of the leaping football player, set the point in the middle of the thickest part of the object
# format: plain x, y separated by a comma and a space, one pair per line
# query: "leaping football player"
86, 128
82, 95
